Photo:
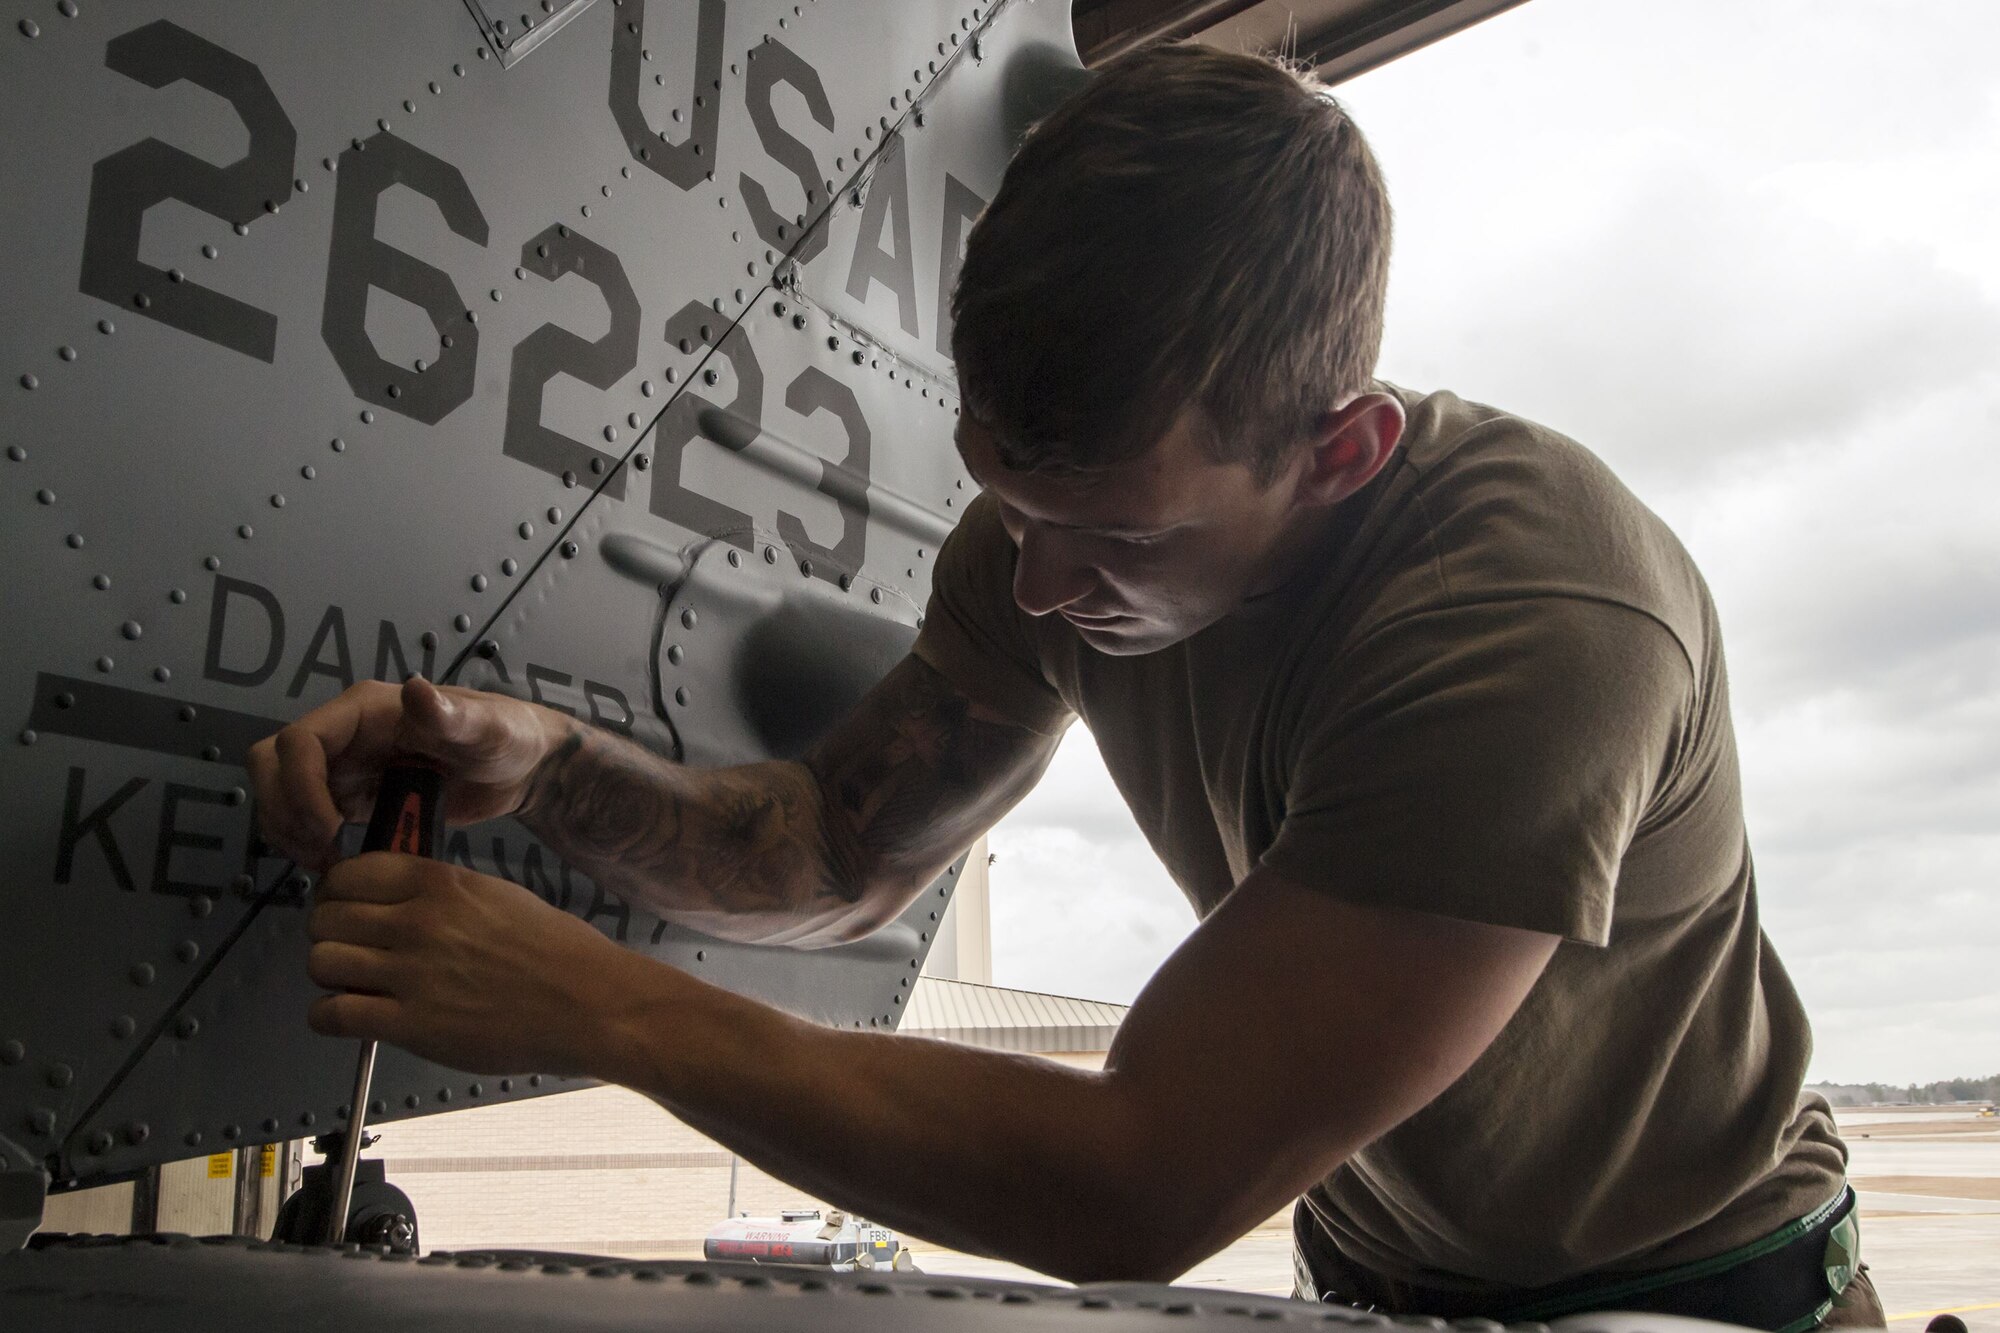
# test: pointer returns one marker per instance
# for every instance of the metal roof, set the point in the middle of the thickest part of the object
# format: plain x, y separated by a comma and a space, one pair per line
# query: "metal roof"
1000, 1019
1338, 38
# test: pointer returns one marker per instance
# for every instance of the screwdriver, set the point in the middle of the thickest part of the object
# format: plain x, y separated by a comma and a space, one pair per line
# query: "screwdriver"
406, 818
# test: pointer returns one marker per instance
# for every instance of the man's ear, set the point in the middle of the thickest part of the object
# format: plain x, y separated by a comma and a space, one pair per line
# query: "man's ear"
1350, 445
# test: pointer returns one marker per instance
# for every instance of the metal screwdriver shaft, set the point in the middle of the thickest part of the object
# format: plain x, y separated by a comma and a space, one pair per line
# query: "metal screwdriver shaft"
405, 819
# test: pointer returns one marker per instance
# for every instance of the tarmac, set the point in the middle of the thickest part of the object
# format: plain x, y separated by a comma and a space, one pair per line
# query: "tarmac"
1929, 1183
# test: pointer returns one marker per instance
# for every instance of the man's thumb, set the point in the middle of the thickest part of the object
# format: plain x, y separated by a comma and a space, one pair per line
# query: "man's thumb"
433, 722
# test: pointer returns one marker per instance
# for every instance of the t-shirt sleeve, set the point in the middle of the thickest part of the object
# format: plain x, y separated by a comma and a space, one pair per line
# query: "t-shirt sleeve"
1489, 762
973, 633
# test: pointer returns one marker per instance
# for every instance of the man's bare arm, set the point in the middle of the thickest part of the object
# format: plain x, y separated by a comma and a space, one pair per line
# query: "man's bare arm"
807, 853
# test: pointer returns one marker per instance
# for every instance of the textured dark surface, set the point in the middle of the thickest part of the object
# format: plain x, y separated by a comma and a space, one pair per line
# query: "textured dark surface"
224, 1284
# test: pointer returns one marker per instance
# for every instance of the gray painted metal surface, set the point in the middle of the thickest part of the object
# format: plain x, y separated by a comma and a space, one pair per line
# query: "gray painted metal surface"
593, 350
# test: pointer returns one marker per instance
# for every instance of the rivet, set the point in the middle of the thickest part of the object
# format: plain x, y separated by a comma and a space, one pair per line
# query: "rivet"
444, 1094
66, 352
211, 563
16, 453
60, 1076
187, 950
29, 736
735, 559
141, 974
475, 1089
846, 582
508, 566
45, 496
245, 531
681, 696
131, 629
770, 555
212, 753
243, 228
339, 446
100, 1143
42, 1121
555, 514
162, 674
232, 1131
201, 905
270, 1124
569, 550
209, 252
875, 595
187, 713
701, 955
412, 1101
688, 618
833, 342
308, 1119
488, 648
633, 420
12, 1052
798, 321
806, 568
192, 1138
597, 465
395, 391
100, 581
526, 530
64, 699
534, 1080
675, 654
645, 388
137, 1132
461, 622
105, 665
187, 1026
309, 472
435, 87
709, 377
428, 639
141, 300
671, 374
641, 462
30, 28
479, 583
74, 541
367, 416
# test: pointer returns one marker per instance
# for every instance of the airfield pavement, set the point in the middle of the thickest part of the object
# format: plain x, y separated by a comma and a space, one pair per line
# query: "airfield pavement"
1929, 1183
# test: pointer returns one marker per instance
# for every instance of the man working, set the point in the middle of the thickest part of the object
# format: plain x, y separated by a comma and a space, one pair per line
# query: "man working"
1422, 710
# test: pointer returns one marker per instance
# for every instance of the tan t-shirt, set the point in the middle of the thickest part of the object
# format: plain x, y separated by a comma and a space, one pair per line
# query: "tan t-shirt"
1499, 695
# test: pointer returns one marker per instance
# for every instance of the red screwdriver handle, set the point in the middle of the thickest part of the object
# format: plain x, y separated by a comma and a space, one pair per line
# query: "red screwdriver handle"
408, 811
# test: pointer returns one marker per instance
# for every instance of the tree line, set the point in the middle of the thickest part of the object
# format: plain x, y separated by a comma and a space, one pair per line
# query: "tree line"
1916, 1094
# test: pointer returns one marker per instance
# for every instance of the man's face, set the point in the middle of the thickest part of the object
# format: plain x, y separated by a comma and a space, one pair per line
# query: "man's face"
1142, 554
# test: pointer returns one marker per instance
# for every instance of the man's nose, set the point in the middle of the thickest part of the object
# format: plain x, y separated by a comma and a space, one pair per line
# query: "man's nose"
1043, 580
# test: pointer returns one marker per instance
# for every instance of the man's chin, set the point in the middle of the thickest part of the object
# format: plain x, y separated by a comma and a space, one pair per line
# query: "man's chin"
1123, 637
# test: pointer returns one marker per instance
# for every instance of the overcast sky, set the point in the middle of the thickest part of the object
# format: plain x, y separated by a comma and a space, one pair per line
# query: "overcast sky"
1750, 255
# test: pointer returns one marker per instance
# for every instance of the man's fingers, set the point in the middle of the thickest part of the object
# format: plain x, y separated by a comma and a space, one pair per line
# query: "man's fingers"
363, 1017
349, 967
376, 877
301, 816
373, 925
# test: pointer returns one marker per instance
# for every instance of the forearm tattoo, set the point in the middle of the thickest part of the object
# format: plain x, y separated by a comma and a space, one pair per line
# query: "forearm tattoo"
781, 850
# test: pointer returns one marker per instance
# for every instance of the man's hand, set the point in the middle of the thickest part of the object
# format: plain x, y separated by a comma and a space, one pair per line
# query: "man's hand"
323, 769
461, 968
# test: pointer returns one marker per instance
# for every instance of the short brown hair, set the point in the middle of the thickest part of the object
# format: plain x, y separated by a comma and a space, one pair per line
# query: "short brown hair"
1193, 229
